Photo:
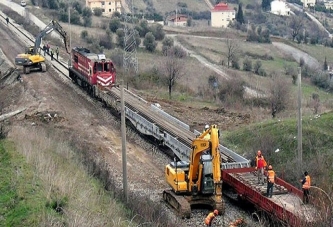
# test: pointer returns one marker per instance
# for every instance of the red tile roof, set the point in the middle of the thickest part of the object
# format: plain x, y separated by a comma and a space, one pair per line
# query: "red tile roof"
221, 7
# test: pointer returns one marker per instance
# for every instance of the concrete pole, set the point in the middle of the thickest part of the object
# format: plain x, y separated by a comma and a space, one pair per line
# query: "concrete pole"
70, 34
123, 141
299, 142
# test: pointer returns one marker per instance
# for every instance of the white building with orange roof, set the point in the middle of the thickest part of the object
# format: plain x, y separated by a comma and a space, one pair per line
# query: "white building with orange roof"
222, 15
177, 20
108, 6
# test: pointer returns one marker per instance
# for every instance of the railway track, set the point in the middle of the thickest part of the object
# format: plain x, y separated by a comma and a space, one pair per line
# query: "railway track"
141, 107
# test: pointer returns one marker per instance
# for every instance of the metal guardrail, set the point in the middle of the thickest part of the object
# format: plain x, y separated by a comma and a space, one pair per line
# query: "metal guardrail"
169, 117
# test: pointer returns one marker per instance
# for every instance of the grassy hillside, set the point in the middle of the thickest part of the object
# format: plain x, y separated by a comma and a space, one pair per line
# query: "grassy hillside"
271, 135
36, 190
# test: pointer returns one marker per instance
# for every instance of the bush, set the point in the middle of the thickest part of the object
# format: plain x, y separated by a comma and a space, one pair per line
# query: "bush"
117, 57
106, 42
115, 24
247, 65
235, 63
98, 12
149, 42
257, 67
84, 34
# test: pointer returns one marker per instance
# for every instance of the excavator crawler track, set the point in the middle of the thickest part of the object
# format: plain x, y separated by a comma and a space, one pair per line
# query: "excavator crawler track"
178, 202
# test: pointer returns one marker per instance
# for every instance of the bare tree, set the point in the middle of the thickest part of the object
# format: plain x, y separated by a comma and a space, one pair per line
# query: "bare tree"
296, 24
279, 94
232, 50
173, 68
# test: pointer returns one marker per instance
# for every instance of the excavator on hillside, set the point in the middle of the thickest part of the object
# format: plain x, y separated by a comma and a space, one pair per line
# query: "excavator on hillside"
32, 60
197, 182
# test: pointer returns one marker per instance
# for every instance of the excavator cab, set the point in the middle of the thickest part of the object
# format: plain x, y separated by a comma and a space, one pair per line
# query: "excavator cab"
29, 50
207, 175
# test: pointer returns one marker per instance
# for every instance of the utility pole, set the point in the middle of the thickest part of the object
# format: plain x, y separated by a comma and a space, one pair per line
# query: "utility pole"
70, 34
123, 141
299, 142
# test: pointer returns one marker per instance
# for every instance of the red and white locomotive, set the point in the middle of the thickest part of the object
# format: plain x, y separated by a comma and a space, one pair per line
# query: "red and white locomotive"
90, 70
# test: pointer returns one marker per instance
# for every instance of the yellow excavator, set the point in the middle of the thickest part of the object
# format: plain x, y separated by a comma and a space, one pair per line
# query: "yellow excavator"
32, 60
197, 182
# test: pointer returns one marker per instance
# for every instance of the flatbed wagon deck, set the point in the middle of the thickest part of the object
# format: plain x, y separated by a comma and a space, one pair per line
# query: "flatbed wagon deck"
286, 203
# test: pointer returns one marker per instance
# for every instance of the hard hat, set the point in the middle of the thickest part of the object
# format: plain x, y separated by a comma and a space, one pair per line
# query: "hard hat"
270, 167
206, 127
259, 152
216, 212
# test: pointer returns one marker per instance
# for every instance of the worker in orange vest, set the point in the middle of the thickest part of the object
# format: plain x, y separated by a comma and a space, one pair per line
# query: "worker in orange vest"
306, 184
210, 217
270, 181
260, 166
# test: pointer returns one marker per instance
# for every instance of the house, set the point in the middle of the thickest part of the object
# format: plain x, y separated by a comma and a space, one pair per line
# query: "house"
308, 3
108, 7
280, 7
177, 20
328, 4
222, 15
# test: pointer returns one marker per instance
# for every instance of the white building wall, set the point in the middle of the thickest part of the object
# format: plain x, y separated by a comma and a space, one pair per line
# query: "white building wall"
279, 8
222, 19
308, 3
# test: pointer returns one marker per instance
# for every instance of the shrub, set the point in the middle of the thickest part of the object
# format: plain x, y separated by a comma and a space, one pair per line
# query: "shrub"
247, 65
149, 42
84, 34
98, 12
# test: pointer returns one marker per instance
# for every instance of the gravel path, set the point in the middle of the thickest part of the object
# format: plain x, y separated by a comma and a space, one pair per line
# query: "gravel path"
298, 54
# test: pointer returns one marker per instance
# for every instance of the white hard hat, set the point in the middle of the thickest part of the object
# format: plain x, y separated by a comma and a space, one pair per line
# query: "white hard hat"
206, 126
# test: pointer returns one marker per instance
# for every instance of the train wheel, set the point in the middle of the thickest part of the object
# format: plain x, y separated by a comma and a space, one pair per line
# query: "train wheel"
27, 70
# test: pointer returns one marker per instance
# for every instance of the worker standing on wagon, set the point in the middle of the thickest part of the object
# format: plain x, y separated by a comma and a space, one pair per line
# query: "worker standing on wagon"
270, 181
260, 166
52, 54
306, 184
210, 217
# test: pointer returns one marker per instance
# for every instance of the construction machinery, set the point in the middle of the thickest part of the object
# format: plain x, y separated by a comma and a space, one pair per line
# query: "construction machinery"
32, 60
197, 182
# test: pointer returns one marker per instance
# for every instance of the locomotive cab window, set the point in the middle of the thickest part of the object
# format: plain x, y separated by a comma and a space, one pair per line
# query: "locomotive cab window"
106, 67
98, 67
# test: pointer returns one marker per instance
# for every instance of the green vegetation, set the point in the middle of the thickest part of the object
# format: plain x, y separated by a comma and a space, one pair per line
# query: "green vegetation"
36, 190
22, 197
282, 134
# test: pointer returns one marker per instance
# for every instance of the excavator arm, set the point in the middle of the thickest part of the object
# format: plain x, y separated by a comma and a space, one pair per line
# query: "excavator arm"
53, 25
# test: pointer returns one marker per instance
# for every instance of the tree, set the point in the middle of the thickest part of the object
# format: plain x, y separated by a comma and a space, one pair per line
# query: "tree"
77, 6
232, 50
239, 15
167, 44
158, 32
98, 12
279, 94
325, 64
296, 24
144, 28
114, 24
149, 42
266, 5
173, 68
86, 12
120, 37
247, 65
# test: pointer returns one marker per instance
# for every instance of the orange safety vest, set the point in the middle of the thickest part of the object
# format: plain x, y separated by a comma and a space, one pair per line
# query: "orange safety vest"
307, 182
260, 162
209, 218
271, 176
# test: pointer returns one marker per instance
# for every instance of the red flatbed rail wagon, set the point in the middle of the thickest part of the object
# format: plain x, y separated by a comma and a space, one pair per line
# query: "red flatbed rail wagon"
90, 70
285, 205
